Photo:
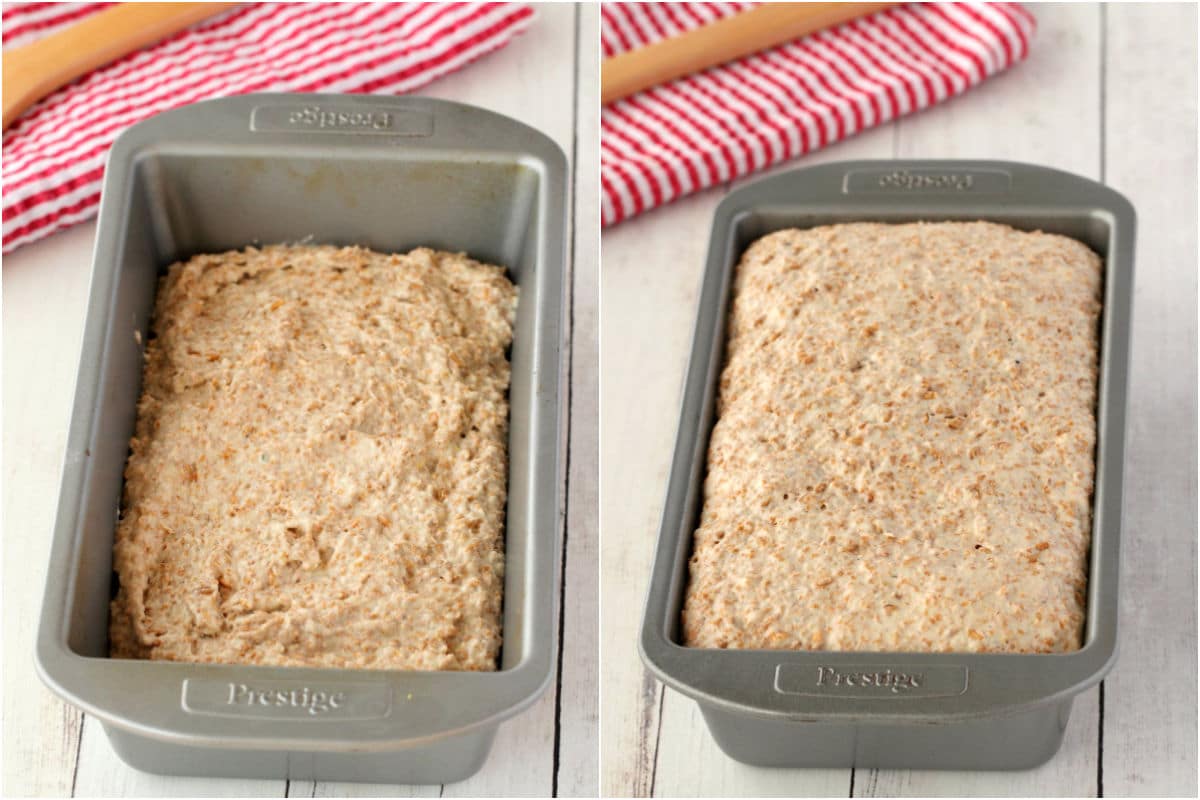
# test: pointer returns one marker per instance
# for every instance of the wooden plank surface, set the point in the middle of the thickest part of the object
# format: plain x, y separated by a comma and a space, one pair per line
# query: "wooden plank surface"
648, 285
576, 750
1150, 155
44, 300
52, 753
1048, 110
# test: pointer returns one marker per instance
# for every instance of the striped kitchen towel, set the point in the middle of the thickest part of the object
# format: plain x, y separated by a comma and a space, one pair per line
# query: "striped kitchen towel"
53, 157
672, 140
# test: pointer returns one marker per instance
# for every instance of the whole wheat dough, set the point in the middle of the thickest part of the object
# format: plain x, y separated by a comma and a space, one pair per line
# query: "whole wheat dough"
903, 454
318, 474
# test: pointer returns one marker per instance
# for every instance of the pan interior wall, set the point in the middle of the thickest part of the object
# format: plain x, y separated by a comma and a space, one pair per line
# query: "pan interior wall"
181, 204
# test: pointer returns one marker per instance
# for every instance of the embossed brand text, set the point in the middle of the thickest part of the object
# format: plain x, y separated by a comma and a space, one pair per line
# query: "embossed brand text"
312, 701
903, 179
895, 682
317, 117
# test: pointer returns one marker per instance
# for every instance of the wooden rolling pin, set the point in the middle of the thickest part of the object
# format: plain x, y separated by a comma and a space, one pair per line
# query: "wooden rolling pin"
768, 25
39, 68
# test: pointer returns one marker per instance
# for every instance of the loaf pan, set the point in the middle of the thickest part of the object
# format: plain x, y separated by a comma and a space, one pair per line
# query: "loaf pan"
968, 711
387, 173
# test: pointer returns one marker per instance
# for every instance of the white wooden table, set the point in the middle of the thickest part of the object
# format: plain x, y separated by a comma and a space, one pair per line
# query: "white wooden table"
547, 78
1109, 93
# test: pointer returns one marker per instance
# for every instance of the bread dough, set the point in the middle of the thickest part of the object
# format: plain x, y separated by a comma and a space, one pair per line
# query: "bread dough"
318, 475
903, 454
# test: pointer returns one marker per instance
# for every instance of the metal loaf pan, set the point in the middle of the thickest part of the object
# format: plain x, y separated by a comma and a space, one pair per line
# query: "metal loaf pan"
389, 173
971, 711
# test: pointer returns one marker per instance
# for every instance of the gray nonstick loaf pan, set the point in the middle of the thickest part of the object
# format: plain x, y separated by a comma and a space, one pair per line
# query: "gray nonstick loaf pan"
960, 710
389, 173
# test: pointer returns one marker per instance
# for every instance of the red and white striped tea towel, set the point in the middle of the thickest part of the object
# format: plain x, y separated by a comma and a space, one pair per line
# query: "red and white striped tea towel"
54, 155
672, 140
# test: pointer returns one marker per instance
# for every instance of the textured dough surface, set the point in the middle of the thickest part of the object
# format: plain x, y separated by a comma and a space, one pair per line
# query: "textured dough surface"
318, 474
903, 454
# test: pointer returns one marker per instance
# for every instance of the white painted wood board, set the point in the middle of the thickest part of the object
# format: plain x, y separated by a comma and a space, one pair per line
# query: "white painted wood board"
1150, 155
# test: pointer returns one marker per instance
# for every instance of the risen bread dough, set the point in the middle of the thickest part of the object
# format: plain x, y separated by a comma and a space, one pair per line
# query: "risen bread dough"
318, 475
903, 454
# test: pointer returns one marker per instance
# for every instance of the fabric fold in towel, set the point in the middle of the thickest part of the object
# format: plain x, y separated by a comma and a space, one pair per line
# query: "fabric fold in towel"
742, 117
